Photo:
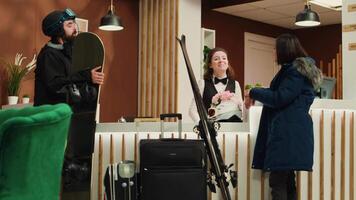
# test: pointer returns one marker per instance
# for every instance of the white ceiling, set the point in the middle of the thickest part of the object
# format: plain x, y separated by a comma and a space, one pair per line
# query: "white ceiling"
280, 12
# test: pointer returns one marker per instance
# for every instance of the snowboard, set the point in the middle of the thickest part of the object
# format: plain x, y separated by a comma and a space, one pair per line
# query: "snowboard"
87, 53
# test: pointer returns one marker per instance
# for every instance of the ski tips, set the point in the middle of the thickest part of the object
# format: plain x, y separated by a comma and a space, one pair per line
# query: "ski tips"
182, 39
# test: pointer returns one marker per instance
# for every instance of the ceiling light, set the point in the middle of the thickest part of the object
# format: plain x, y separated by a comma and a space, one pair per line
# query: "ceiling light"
307, 17
111, 22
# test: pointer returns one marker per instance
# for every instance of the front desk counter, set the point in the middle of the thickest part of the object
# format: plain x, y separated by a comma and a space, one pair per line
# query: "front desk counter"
333, 170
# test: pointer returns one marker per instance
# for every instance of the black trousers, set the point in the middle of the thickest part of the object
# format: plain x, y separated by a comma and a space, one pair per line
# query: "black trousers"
283, 185
231, 119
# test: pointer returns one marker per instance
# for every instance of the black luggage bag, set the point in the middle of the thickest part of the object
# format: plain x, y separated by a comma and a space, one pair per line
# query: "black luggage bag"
173, 169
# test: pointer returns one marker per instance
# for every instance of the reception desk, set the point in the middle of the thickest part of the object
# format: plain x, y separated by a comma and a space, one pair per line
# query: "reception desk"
333, 171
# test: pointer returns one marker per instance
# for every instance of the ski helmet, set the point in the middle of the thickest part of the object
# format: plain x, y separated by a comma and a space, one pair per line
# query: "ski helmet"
52, 24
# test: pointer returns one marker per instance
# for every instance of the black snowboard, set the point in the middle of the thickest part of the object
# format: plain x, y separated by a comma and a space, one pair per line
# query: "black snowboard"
87, 53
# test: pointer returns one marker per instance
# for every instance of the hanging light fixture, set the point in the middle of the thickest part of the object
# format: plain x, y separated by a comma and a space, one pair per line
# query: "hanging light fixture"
111, 22
307, 17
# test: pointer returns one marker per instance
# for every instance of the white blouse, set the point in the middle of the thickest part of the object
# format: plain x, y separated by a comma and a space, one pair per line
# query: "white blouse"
220, 87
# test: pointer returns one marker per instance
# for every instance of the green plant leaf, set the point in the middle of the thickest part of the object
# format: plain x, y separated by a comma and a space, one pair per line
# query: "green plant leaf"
248, 86
258, 85
15, 73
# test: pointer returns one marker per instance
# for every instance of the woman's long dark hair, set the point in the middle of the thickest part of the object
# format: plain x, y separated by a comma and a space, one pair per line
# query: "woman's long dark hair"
208, 72
288, 48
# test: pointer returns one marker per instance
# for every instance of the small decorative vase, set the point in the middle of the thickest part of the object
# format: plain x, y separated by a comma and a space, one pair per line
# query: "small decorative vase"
25, 100
13, 100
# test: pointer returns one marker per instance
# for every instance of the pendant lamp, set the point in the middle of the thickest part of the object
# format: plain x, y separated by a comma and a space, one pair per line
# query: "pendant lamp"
111, 22
307, 17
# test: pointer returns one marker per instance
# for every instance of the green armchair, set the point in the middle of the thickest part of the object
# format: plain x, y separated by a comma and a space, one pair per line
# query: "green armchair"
32, 146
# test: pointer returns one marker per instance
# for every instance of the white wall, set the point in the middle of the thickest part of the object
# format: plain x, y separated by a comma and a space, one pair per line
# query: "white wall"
189, 25
348, 57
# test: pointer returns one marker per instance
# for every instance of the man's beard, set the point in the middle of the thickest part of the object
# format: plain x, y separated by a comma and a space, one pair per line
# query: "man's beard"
70, 38
68, 43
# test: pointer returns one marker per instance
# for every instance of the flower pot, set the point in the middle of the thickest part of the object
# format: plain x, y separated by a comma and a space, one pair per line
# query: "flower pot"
25, 99
13, 100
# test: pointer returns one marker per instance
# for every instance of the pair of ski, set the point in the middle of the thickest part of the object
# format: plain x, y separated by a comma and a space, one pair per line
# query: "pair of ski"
207, 130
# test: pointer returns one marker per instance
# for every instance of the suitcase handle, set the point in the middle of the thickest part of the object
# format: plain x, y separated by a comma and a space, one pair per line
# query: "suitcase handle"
177, 115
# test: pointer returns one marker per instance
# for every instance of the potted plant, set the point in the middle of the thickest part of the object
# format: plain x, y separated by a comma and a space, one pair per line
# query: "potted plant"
206, 51
248, 87
15, 73
25, 98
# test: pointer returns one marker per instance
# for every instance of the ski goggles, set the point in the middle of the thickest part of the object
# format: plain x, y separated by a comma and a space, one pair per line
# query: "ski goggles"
67, 14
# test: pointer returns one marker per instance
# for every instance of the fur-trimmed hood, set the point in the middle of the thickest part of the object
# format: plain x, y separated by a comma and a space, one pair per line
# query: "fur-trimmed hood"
306, 66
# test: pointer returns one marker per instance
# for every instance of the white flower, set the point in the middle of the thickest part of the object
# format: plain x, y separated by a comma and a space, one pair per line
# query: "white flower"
19, 58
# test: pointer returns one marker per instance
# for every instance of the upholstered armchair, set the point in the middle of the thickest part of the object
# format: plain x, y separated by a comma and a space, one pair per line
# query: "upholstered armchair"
32, 146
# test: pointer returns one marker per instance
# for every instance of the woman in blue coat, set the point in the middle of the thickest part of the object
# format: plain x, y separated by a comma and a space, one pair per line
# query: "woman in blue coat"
285, 140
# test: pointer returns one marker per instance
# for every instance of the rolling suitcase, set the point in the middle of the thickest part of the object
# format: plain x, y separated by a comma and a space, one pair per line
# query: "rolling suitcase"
173, 169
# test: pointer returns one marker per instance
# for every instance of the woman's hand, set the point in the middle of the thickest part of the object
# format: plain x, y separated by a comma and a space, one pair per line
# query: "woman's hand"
96, 76
248, 100
238, 102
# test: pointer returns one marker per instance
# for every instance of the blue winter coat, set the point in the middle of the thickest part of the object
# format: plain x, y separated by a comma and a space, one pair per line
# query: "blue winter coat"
285, 137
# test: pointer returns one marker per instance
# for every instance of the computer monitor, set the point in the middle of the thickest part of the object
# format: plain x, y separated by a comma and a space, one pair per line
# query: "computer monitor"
327, 87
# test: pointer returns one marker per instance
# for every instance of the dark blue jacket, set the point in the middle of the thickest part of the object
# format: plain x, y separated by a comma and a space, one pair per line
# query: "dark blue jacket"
285, 137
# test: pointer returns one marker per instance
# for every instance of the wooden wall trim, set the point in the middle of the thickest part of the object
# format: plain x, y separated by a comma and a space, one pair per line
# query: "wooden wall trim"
321, 153
158, 58
352, 158
334, 69
333, 144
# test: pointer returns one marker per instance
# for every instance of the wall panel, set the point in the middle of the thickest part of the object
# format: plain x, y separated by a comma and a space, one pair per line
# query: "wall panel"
158, 57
